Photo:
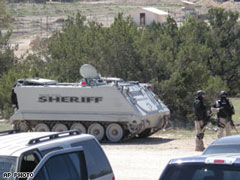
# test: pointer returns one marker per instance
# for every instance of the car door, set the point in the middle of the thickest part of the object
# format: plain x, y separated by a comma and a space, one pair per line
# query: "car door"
65, 164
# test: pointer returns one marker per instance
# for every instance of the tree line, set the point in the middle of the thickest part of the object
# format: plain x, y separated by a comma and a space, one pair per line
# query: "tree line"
177, 60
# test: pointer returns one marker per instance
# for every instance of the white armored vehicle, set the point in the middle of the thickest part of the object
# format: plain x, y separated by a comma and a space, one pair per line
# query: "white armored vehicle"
99, 106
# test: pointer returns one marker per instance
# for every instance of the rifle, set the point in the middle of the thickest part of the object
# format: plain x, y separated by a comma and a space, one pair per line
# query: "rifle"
229, 118
207, 120
233, 125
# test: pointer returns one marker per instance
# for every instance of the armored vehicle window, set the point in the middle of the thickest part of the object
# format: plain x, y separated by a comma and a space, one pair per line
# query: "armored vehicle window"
97, 163
63, 167
136, 94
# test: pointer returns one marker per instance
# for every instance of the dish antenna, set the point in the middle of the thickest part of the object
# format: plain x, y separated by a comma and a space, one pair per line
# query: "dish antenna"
89, 72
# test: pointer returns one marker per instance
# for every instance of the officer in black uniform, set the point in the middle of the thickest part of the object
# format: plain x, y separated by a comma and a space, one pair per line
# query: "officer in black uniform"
224, 109
201, 116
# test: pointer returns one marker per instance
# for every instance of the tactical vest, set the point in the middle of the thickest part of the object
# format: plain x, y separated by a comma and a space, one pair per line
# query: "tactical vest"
226, 108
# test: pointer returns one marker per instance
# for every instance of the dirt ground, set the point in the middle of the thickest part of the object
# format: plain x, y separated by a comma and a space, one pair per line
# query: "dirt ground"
144, 159
23, 46
27, 26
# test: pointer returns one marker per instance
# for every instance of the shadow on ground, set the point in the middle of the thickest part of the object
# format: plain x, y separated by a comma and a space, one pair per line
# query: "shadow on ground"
142, 141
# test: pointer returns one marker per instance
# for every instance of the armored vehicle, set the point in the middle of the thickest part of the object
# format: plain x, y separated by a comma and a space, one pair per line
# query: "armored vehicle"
99, 106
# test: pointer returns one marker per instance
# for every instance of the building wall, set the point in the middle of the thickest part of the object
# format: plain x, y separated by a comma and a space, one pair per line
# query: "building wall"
149, 17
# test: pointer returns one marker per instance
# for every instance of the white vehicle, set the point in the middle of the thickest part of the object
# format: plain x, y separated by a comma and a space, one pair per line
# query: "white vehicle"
52, 156
204, 167
98, 106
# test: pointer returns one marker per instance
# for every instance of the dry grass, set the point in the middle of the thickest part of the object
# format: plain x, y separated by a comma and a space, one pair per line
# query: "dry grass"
5, 126
38, 19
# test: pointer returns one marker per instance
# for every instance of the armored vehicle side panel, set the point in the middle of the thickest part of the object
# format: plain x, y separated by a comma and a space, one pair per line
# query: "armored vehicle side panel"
104, 103
104, 107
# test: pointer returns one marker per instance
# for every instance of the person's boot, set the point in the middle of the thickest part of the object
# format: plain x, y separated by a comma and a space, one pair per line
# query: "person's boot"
199, 145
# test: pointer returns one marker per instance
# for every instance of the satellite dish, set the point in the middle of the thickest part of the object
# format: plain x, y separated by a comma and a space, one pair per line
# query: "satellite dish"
88, 71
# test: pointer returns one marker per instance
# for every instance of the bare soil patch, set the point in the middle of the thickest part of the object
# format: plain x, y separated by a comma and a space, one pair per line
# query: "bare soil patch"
144, 159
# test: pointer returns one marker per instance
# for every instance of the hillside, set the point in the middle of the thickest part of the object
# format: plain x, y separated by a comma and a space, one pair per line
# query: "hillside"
40, 20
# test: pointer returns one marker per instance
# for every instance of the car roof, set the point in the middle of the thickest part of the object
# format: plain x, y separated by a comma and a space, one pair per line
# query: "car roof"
18, 143
209, 159
227, 140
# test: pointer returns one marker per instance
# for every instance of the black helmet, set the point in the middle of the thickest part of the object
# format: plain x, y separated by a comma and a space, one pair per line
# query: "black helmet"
223, 94
200, 93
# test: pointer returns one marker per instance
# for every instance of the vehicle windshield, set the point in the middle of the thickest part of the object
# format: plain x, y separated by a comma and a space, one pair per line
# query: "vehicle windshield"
7, 164
218, 149
201, 172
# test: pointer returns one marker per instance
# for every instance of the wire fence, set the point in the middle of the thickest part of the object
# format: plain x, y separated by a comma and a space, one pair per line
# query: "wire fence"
45, 25
43, 19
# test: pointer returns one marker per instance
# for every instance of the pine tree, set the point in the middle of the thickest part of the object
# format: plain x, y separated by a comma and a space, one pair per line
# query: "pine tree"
3, 13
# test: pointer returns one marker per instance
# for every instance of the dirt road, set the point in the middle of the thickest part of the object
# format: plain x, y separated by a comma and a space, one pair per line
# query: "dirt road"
144, 159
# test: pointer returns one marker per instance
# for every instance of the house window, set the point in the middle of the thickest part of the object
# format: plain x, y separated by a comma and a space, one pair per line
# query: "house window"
142, 19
